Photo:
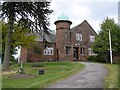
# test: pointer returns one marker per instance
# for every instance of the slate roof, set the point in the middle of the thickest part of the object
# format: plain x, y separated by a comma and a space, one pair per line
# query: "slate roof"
48, 37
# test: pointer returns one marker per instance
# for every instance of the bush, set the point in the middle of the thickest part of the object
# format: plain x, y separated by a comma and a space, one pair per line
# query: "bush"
93, 58
37, 50
37, 65
98, 58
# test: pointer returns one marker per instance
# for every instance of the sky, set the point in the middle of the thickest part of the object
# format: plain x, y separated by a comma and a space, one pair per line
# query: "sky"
94, 11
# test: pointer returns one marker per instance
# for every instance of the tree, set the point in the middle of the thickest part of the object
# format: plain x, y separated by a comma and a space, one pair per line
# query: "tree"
19, 38
33, 15
101, 44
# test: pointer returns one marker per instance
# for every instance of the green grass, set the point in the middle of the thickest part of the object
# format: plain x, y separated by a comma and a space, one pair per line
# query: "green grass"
119, 75
54, 71
111, 80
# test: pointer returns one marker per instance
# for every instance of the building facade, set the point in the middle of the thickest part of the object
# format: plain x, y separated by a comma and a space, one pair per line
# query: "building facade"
69, 44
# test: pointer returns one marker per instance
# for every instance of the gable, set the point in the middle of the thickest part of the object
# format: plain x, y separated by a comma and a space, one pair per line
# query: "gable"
83, 27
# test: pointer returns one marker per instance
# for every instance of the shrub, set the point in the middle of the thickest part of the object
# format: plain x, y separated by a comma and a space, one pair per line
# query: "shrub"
97, 58
37, 50
37, 65
93, 58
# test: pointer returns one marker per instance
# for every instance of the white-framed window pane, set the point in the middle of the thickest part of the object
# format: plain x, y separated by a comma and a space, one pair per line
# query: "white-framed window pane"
51, 51
78, 37
92, 38
90, 51
45, 52
68, 50
48, 51
82, 50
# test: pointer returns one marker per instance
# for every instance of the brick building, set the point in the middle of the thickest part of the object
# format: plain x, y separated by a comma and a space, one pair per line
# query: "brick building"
68, 44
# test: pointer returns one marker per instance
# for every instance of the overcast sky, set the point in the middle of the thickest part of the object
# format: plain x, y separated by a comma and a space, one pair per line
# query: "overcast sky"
94, 11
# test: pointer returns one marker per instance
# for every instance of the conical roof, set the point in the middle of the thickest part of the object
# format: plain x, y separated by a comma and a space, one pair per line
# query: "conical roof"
63, 17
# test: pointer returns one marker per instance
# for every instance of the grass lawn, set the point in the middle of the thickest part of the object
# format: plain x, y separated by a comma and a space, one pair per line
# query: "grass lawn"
54, 71
111, 81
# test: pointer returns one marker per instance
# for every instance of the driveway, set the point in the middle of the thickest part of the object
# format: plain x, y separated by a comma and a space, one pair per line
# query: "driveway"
91, 77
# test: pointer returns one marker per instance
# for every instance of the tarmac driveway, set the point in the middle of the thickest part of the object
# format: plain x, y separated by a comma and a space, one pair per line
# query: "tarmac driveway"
91, 77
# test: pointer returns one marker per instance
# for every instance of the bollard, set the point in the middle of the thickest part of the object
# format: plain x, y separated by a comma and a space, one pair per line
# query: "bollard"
41, 72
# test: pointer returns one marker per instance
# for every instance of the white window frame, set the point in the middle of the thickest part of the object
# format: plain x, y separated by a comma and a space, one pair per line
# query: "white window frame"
78, 36
49, 51
82, 50
92, 38
90, 52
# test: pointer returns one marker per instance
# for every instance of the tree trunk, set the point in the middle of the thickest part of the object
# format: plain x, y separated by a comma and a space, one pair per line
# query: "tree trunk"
6, 63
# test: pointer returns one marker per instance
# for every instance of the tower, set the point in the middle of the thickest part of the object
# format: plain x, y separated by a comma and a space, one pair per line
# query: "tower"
62, 35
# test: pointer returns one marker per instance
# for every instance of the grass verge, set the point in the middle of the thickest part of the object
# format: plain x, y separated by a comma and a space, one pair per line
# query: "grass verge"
54, 71
111, 80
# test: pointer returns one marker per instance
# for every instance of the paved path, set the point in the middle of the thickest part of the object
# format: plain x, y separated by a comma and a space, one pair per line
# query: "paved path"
91, 77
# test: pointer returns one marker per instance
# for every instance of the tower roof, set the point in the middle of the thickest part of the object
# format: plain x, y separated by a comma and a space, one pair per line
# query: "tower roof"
63, 17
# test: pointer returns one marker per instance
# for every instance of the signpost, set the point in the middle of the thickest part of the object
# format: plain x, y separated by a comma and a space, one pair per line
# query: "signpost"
110, 46
21, 68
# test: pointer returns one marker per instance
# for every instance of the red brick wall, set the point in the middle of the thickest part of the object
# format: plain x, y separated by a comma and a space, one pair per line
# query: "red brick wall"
30, 55
23, 54
62, 28
86, 30
61, 40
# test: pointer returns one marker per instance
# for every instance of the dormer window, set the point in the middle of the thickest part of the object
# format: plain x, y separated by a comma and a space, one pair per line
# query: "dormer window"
92, 38
78, 36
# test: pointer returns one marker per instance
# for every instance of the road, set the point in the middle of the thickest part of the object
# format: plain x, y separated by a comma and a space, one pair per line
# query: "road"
91, 77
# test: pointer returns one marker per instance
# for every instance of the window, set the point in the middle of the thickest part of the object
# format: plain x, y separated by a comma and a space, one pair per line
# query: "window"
82, 50
78, 36
90, 52
67, 36
92, 38
45, 52
68, 50
48, 51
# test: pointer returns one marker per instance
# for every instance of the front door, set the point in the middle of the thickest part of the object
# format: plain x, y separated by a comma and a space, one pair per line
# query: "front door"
75, 53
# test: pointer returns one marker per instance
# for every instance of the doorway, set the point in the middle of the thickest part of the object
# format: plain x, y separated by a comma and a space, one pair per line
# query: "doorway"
75, 53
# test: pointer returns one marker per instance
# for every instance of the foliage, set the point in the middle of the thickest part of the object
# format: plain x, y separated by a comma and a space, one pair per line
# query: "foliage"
92, 58
19, 38
101, 44
97, 58
37, 50
32, 15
